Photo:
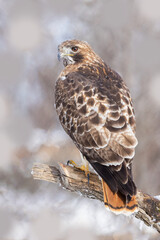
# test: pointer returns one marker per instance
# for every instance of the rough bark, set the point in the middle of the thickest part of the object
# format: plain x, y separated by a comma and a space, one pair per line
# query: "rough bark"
75, 180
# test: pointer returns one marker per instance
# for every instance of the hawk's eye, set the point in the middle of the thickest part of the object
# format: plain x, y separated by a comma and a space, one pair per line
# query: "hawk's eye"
74, 49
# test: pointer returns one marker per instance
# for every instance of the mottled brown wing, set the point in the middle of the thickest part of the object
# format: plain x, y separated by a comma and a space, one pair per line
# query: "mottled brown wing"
96, 111
98, 115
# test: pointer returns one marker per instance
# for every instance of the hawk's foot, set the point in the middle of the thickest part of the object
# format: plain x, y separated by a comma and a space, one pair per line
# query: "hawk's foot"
71, 162
83, 167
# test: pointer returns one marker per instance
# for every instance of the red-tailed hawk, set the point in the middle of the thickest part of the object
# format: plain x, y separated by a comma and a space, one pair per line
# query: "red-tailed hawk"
95, 109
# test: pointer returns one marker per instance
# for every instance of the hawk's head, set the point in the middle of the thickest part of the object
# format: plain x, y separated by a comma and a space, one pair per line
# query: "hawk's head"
75, 51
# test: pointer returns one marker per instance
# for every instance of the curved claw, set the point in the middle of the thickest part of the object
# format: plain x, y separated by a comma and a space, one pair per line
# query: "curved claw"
71, 162
83, 168
88, 177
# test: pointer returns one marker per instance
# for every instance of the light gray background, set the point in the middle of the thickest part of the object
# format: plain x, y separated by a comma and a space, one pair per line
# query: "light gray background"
126, 34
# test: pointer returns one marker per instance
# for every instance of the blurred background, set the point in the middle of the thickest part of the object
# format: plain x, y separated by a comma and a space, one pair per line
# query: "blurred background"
126, 34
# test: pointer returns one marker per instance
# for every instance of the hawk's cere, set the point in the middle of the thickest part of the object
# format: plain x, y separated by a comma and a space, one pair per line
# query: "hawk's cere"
95, 109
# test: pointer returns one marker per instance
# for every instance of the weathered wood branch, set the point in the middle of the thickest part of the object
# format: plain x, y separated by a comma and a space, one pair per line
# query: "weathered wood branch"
75, 180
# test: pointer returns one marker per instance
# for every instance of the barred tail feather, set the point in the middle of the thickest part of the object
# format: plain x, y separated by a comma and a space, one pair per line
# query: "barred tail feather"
117, 203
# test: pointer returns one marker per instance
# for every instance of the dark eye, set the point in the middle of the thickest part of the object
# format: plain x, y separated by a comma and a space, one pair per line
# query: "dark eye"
74, 49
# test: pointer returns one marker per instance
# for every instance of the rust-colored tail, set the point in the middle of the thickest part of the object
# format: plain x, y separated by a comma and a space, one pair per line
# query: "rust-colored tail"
116, 203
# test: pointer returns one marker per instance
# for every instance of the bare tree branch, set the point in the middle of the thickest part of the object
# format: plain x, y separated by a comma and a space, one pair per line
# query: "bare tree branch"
75, 180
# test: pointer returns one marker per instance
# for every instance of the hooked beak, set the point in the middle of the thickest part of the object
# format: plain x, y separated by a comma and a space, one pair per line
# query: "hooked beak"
63, 55
59, 56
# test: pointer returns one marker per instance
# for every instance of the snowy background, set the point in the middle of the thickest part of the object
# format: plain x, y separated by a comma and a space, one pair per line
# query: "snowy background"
126, 34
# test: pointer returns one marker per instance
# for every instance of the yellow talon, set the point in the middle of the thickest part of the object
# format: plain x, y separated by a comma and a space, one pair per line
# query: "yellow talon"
84, 167
71, 162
